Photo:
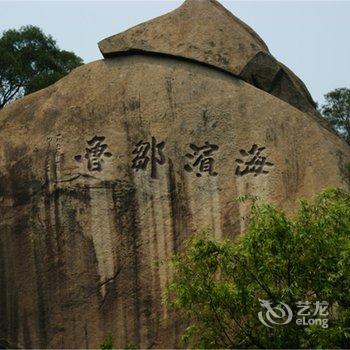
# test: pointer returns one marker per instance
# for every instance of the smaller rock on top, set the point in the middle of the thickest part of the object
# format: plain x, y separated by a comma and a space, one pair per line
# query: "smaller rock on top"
204, 31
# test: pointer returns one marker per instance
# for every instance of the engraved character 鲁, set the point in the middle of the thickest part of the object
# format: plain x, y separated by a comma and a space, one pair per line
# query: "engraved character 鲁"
95, 153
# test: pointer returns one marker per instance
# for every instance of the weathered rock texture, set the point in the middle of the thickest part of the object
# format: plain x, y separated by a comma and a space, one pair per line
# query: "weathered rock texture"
81, 227
204, 31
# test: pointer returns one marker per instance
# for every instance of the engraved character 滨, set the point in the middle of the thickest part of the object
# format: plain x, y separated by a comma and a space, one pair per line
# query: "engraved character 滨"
253, 162
148, 152
203, 159
95, 153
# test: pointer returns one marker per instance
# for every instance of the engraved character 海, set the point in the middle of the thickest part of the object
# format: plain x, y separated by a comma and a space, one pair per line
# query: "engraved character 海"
253, 162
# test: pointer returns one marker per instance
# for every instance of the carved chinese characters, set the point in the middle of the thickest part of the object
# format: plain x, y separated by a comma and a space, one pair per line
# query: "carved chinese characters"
200, 161
95, 153
203, 159
148, 152
253, 162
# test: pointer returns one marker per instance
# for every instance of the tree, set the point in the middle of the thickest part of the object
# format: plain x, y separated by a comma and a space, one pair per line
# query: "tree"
337, 111
30, 61
221, 286
107, 344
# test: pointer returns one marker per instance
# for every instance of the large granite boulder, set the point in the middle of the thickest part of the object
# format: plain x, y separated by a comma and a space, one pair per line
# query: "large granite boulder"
104, 174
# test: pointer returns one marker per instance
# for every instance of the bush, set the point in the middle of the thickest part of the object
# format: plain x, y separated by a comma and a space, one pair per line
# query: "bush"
222, 286
107, 344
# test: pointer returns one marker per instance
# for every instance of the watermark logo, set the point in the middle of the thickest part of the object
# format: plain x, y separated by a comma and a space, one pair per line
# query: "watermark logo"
308, 313
279, 315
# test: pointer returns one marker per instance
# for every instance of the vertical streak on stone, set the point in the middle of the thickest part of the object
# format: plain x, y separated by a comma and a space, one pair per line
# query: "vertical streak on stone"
27, 342
242, 206
4, 286
40, 297
180, 227
145, 200
14, 317
52, 208
54, 204
173, 229
157, 239
86, 335
58, 156
166, 241
191, 204
135, 242
157, 256
54, 212
50, 212
124, 320
215, 206
11, 284
58, 202
4, 279
135, 239
117, 196
174, 206
146, 236
101, 234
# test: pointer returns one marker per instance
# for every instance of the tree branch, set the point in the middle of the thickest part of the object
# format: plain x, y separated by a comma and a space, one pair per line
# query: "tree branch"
219, 322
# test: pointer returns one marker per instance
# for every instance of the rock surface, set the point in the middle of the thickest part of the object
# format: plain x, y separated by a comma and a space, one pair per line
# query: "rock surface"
104, 175
204, 31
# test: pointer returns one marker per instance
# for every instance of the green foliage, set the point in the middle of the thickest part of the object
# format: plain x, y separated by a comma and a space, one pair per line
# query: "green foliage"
30, 61
107, 344
130, 345
337, 111
218, 284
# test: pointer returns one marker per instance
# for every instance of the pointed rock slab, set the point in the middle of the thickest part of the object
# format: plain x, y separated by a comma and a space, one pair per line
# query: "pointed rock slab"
199, 30
204, 31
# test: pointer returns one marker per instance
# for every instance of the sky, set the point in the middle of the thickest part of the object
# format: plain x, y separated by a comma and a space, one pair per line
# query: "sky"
310, 37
